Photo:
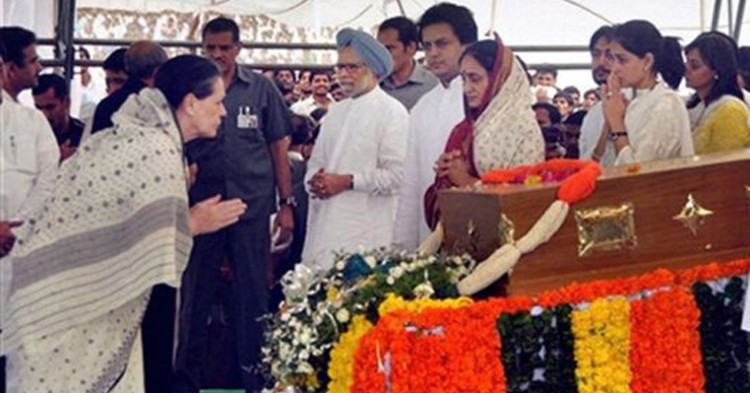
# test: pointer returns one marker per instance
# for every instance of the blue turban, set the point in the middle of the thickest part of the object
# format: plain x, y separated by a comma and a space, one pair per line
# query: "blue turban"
369, 50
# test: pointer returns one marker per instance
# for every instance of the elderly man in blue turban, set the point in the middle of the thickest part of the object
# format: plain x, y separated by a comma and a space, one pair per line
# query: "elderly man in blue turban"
356, 168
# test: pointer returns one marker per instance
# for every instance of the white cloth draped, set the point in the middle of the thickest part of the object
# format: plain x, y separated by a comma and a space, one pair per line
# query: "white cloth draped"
506, 134
116, 224
364, 137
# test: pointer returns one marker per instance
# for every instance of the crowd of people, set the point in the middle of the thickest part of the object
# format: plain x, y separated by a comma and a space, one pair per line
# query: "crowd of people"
198, 172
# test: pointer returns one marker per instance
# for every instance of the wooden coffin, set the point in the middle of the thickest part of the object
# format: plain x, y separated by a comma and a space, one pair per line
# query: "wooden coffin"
644, 199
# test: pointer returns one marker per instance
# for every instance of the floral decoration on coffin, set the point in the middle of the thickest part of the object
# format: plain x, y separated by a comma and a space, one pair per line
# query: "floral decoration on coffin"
319, 309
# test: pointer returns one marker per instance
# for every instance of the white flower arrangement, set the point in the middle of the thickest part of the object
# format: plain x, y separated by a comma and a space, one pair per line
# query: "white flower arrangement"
319, 307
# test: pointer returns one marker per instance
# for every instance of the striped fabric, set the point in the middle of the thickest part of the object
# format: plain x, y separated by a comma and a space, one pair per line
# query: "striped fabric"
116, 224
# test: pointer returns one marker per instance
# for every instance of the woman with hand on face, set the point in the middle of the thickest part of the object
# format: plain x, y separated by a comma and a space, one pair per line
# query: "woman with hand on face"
718, 114
654, 124
499, 130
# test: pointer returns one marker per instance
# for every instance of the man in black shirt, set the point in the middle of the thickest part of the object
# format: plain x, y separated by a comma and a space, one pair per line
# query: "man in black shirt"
51, 96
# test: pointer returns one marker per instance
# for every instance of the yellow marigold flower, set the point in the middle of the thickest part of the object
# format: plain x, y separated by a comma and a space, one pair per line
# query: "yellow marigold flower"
602, 343
332, 293
394, 303
341, 366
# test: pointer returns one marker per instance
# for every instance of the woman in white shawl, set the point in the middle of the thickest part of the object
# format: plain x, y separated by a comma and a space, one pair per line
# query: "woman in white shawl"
654, 124
499, 131
77, 283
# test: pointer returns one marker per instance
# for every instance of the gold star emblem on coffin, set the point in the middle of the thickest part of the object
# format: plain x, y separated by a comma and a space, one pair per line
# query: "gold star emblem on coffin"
692, 215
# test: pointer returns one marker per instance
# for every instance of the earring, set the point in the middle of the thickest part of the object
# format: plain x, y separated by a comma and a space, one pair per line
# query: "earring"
716, 76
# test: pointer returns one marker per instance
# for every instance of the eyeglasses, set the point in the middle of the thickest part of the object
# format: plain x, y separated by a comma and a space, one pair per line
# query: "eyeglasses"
348, 67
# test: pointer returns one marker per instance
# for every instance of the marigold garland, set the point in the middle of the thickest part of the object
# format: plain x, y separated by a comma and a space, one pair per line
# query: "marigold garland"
395, 303
576, 187
649, 345
443, 351
714, 271
589, 291
665, 352
341, 366
602, 344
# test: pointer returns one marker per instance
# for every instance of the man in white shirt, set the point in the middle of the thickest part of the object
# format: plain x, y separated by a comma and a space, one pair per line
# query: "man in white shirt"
356, 168
28, 163
445, 30
321, 83
30, 156
21, 60
591, 129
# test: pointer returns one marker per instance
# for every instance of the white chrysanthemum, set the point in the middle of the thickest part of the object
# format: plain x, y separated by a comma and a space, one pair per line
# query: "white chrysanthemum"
305, 336
424, 290
284, 349
397, 272
340, 265
305, 368
342, 315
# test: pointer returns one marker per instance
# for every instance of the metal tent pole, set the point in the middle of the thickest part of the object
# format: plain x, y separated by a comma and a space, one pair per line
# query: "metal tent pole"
738, 23
64, 48
717, 13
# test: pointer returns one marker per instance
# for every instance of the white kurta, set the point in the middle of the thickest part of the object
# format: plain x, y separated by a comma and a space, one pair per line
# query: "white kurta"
365, 137
29, 157
591, 131
658, 127
430, 125
306, 106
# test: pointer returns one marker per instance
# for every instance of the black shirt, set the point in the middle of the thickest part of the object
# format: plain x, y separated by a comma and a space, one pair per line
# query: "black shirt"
73, 134
108, 106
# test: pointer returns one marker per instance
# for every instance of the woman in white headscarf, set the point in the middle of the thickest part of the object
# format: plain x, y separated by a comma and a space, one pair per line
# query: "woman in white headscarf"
499, 131
77, 283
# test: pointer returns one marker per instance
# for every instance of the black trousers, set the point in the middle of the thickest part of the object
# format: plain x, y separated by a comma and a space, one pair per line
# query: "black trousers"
157, 336
246, 246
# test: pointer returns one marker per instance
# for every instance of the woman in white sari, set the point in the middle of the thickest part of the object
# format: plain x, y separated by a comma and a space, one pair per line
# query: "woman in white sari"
654, 124
76, 286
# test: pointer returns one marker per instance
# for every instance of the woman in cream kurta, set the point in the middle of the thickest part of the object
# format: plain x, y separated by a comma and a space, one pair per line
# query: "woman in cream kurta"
654, 124
657, 125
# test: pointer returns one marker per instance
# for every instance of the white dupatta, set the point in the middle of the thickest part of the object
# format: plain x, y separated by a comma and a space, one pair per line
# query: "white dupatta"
506, 134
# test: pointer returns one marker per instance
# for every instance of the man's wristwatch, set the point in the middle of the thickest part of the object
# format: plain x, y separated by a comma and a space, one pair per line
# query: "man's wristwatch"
290, 201
615, 135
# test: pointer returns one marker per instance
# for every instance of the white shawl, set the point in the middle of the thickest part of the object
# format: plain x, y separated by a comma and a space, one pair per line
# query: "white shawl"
116, 224
506, 134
